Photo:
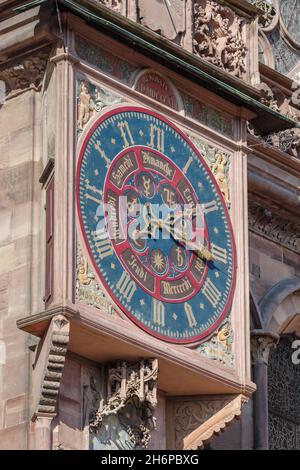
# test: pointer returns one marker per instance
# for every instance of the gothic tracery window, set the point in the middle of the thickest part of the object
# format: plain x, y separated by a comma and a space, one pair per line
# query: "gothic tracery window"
284, 397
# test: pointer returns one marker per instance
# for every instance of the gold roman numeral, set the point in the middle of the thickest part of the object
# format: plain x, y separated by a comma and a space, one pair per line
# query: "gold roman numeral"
187, 165
210, 207
211, 292
126, 134
104, 248
157, 138
126, 286
158, 313
190, 315
219, 253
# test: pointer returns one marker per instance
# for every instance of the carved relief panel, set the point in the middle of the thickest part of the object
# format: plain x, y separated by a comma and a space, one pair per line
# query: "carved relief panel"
219, 37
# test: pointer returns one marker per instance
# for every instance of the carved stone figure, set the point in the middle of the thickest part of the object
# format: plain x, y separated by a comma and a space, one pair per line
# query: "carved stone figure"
92, 99
219, 171
219, 347
218, 36
84, 106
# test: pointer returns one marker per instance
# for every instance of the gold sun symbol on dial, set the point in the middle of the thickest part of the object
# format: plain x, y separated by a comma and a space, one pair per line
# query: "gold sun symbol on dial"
158, 261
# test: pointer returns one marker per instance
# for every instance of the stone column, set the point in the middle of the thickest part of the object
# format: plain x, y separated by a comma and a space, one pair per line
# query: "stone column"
261, 344
42, 433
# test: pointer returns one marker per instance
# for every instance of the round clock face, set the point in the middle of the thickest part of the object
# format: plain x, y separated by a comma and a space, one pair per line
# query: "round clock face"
155, 225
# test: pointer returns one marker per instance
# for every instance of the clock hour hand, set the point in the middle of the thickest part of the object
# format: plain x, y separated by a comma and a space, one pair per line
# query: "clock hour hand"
200, 250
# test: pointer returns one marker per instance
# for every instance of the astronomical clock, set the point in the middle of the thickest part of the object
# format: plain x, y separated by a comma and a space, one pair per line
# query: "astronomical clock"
155, 225
146, 306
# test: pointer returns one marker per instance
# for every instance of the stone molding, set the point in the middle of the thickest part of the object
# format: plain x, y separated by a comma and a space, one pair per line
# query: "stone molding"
198, 421
49, 366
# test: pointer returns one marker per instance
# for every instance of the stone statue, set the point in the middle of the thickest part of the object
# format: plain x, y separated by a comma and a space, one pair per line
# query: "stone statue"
219, 170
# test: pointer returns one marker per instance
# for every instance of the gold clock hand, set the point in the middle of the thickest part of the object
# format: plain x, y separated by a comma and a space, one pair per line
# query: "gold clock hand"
200, 251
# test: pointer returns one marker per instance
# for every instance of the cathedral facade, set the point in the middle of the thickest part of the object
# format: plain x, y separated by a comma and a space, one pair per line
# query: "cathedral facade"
149, 224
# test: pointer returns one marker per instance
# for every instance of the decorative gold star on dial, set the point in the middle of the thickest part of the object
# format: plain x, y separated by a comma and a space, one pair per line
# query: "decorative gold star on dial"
158, 261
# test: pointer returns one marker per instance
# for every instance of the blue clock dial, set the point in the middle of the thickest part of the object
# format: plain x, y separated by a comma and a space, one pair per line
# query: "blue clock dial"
155, 225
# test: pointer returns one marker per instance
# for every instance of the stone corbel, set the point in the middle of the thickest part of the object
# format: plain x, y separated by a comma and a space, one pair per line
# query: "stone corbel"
215, 425
48, 367
196, 421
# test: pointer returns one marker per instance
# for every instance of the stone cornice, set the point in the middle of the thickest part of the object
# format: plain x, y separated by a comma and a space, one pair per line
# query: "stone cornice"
186, 63
27, 31
112, 336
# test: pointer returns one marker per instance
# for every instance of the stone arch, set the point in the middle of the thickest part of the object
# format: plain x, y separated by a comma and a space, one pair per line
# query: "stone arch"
280, 307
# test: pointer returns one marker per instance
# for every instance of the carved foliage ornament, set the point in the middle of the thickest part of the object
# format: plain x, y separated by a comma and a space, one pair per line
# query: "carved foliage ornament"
261, 345
218, 37
279, 101
268, 12
87, 288
25, 72
288, 141
276, 228
114, 5
130, 384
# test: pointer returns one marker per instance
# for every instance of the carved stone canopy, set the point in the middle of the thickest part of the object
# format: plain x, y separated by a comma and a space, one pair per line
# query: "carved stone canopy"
130, 385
